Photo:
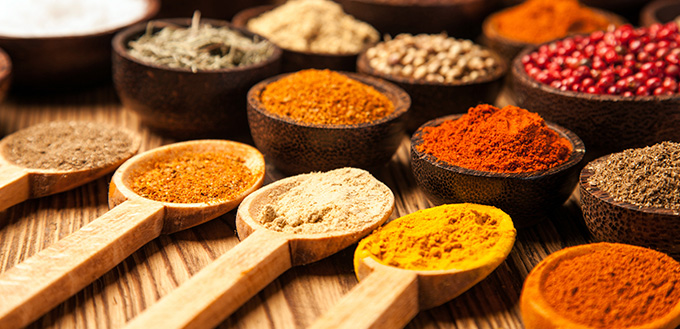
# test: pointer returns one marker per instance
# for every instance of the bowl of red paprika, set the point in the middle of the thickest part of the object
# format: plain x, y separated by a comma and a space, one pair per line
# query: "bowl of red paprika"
318, 120
509, 158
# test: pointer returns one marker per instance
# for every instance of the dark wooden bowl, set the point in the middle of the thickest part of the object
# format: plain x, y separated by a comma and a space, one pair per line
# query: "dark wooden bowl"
509, 48
606, 123
5, 74
527, 197
182, 104
209, 8
53, 63
300, 60
459, 18
615, 221
430, 100
659, 11
296, 147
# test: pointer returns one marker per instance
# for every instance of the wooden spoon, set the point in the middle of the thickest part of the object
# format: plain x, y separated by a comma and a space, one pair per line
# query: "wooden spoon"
41, 282
223, 286
18, 184
389, 297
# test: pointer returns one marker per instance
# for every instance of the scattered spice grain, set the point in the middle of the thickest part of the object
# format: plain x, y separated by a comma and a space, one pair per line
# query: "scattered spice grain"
340, 200
454, 236
325, 97
68, 146
646, 177
487, 138
193, 177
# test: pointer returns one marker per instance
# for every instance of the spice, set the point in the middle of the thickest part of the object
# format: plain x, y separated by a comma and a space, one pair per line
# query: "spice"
199, 47
435, 58
192, 177
487, 138
68, 146
325, 97
613, 286
538, 21
56, 18
628, 62
454, 236
317, 26
340, 200
646, 177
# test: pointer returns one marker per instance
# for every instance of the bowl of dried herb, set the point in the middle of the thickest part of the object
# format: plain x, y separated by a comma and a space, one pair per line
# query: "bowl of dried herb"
633, 197
189, 79
318, 120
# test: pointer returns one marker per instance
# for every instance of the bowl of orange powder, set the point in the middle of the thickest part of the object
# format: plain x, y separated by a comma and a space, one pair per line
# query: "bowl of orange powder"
318, 120
505, 157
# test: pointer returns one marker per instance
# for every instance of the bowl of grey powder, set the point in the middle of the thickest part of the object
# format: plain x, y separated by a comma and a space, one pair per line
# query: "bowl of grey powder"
634, 197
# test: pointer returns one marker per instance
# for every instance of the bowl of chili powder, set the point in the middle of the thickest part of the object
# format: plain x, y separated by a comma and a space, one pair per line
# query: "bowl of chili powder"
509, 158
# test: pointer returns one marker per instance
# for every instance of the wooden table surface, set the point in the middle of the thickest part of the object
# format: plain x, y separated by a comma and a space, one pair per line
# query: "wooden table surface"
294, 300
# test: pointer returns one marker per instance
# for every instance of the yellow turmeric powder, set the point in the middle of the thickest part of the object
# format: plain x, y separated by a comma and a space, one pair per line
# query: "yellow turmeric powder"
455, 236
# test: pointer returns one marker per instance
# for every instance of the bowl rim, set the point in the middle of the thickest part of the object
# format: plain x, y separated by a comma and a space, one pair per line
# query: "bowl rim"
499, 73
602, 196
5, 65
575, 157
399, 98
152, 10
649, 13
520, 76
242, 17
121, 39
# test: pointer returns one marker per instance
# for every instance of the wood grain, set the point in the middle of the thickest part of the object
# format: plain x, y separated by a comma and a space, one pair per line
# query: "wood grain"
295, 300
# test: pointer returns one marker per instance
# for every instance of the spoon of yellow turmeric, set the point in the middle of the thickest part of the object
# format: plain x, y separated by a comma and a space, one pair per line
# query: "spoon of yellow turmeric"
420, 261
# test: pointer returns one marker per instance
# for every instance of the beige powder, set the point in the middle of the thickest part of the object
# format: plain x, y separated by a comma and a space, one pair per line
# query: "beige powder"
338, 200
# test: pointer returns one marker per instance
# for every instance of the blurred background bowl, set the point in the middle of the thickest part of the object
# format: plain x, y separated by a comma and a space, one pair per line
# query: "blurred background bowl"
616, 221
660, 11
527, 197
300, 60
459, 18
5, 74
216, 9
179, 103
297, 147
430, 100
605, 123
53, 63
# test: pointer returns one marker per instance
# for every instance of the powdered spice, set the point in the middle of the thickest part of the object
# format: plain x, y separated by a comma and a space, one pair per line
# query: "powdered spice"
193, 178
325, 97
487, 138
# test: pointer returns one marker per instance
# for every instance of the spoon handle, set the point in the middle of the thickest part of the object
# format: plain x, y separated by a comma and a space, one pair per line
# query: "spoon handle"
14, 186
219, 289
41, 282
385, 299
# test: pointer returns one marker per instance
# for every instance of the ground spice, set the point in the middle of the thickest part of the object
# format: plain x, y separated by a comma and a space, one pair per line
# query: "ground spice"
68, 146
617, 286
338, 200
487, 138
538, 21
325, 97
454, 236
191, 177
646, 177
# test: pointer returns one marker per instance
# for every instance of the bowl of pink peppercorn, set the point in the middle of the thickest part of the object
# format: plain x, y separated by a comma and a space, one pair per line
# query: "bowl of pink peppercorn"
615, 89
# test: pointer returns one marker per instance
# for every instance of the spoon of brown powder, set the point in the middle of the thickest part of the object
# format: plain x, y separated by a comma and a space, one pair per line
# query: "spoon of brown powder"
54, 157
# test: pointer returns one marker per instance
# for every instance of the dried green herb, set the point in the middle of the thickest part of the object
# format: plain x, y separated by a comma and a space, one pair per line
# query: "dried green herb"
199, 47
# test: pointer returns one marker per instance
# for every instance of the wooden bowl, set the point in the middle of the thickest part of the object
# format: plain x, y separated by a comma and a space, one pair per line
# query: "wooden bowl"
617, 221
527, 197
537, 312
459, 18
659, 11
606, 123
53, 63
509, 48
209, 8
5, 74
430, 100
299, 60
297, 147
180, 103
